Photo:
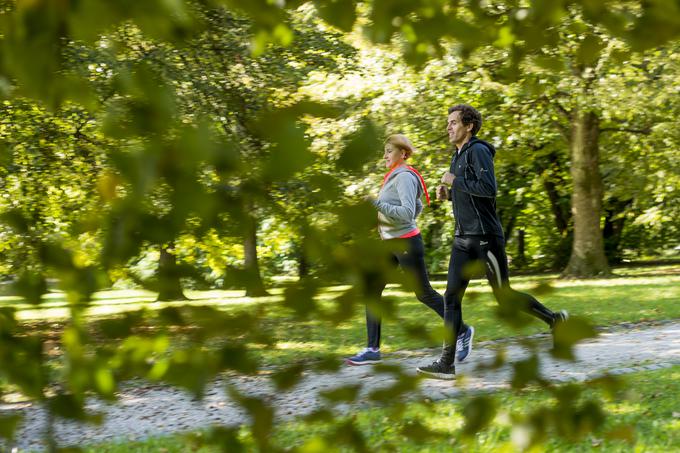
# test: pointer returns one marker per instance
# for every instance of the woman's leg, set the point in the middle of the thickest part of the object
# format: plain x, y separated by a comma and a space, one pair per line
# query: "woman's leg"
413, 263
374, 284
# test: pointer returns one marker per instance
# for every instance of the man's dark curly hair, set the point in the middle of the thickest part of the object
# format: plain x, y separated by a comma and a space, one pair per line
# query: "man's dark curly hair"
468, 115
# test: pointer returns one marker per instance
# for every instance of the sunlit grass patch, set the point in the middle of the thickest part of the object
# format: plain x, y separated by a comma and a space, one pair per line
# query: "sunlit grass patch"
603, 301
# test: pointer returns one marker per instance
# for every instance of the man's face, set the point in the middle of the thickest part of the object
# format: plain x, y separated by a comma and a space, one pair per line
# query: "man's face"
456, 129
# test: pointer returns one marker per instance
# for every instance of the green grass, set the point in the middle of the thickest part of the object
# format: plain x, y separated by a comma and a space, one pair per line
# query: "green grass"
648, 405
635, 294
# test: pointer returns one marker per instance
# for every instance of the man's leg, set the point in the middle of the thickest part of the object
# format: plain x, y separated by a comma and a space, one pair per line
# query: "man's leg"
493, 250
457, 282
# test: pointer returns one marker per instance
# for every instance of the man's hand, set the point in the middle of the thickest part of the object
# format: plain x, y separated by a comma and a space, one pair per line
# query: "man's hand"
442, 193
448, 178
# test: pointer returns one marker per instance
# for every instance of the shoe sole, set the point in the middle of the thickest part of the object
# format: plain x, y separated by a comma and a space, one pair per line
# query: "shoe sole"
444, 376
472, 336
363, 362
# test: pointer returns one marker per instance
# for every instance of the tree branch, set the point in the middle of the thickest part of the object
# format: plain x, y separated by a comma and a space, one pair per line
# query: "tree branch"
489, 65
643, 131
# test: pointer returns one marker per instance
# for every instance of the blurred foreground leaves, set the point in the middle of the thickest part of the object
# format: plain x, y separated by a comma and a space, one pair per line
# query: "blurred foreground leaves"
179, 133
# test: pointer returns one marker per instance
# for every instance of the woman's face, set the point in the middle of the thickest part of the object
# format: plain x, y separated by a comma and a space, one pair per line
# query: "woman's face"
393, 156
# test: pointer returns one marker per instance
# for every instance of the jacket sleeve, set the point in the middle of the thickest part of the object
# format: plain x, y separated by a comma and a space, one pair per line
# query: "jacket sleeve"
484, 182
407, 188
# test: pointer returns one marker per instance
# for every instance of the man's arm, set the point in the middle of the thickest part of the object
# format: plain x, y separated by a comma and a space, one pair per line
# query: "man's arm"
484, 184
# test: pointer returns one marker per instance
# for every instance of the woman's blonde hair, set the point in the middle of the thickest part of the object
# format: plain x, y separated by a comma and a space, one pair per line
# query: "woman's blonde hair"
402, 143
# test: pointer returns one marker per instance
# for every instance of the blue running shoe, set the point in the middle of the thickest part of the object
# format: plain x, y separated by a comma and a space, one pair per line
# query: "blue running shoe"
464, 344
365, 357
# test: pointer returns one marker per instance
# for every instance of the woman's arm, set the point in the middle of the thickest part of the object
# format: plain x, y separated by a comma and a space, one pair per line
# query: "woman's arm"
407, 188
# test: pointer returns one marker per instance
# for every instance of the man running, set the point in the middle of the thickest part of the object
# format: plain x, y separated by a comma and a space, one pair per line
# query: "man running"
478, 236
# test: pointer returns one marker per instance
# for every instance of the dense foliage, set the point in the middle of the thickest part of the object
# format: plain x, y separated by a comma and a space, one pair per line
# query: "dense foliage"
222, 143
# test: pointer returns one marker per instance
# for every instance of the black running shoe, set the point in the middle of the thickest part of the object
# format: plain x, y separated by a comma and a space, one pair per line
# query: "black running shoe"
560, 317
438, 370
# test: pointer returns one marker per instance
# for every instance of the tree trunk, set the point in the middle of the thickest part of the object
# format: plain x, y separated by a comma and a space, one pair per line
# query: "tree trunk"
614, 221
521, 259
303, 262
559, 204
169, 284
253, 280
587, 254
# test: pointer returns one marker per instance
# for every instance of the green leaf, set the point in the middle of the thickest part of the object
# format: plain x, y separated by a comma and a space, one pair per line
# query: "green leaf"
551, 63
505, 37
236, 357
417, 432
289, 152
226, 438
339, 13
6, 156
363, 146
8, 425
286, 378
625, 433
347, 433
479, 413
16, 219
344, 394
122, 326
261, 414
589, 50
71, 407
31, 286
328, 364
300, 298
525, 372
405, 385
567, 334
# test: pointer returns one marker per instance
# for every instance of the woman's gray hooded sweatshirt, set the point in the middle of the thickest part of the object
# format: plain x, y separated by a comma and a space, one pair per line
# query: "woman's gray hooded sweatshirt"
399, 203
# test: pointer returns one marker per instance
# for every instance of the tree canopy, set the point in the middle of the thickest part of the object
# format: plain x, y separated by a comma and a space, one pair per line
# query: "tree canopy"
220, 143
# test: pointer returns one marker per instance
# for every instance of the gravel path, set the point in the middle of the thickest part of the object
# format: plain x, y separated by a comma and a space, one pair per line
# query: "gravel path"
152, 410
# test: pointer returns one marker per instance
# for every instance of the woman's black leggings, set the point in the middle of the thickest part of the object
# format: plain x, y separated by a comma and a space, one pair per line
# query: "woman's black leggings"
412, 261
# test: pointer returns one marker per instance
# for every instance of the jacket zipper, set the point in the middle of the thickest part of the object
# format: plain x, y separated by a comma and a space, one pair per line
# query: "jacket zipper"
459, 223
479, 217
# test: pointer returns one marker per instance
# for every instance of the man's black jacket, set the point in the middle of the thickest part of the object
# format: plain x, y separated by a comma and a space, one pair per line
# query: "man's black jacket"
473, 192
